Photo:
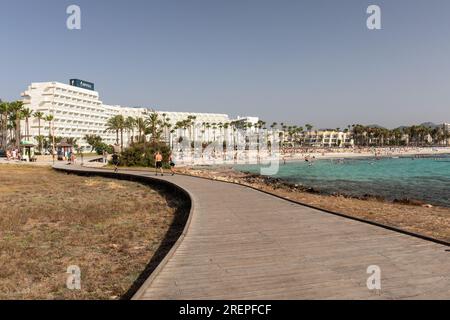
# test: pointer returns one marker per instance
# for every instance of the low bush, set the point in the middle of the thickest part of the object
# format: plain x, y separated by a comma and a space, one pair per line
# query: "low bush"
101, 146
143, 155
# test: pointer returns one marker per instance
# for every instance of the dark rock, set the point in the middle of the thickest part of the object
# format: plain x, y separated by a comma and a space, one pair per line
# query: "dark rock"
411, 202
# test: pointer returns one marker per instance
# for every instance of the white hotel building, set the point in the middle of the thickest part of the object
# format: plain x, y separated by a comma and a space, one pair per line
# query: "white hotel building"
79, 111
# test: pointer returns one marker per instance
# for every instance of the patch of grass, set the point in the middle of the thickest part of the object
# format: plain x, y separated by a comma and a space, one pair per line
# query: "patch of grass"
50, 220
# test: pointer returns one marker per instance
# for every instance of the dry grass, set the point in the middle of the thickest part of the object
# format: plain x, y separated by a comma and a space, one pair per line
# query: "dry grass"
49, 220
433, 222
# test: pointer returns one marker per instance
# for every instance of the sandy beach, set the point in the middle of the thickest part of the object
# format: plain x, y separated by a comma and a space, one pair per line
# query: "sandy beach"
253, 157
366, 152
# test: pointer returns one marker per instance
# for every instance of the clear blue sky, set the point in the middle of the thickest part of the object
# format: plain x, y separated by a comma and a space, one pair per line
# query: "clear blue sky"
294, 61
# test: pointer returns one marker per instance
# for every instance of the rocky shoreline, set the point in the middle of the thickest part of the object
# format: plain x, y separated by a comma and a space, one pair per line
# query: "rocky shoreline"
252, 179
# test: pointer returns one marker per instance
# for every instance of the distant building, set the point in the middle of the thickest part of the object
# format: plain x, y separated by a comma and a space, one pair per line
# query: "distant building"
251, 120
446, 127
78, 111
328, 138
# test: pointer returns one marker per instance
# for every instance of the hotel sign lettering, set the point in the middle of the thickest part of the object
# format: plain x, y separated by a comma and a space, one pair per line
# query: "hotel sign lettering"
82, 84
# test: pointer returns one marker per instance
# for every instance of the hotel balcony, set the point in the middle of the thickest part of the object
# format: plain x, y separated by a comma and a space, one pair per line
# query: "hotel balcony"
44, 102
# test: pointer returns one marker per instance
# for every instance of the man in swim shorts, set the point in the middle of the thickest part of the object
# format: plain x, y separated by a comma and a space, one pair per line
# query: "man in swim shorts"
158, 163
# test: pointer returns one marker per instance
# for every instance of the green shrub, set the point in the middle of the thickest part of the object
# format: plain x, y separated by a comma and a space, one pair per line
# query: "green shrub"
99, 147
143, 155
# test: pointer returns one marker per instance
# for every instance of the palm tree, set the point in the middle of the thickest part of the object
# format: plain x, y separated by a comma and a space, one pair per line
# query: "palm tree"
214, 127
445, 135
27, 114
167, 125
16, 108
220, 125
397, 135
39, 116
208, 127
50, 118
176, 132
226, 126
273, 125
72, 141
153, 126
171, 135
40, 140
358, 133
191, 123
4, 111
121, 123
301, 132
203, 131
130, 124
115, 124
140, 126
93, 140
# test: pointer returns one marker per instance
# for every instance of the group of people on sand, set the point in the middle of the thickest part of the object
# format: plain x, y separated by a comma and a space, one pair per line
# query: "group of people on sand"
390, 151
13, 154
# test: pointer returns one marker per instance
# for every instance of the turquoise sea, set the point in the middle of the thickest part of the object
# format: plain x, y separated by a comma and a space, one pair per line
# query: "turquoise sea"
426, 179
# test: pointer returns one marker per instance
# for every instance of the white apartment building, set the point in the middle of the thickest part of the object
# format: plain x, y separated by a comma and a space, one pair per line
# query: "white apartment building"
328, 138
78, 111
446, 127
200, 122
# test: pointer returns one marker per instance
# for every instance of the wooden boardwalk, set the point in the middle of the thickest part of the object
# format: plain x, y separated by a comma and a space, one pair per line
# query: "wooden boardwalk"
245, 244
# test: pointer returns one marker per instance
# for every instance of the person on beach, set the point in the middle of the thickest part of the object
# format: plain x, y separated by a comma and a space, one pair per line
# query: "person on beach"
172, 164
115, 161
158, 163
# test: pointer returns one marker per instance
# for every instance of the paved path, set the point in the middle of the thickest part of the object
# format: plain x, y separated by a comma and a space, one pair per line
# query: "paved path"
244, 244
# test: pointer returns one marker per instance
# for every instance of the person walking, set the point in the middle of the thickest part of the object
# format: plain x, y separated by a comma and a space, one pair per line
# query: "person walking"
69, 157
172, 164
115, 161
158, 163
